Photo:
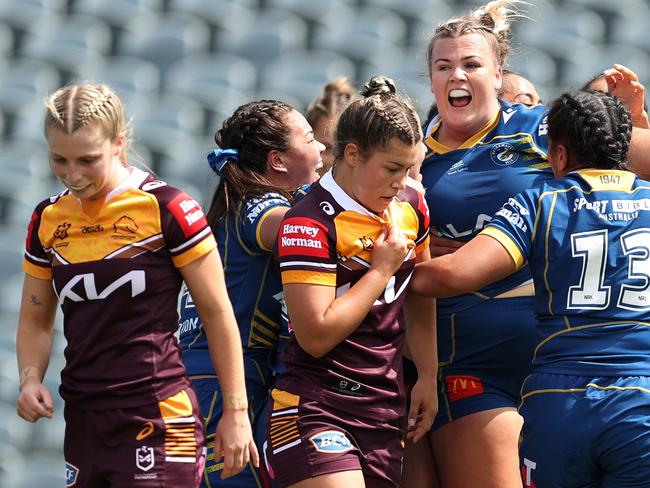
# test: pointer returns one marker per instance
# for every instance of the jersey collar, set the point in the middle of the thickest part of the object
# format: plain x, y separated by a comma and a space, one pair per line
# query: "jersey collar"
439, 148
328, 183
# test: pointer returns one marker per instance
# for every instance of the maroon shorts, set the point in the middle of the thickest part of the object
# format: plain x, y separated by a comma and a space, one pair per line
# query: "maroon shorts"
305, 440
155, 445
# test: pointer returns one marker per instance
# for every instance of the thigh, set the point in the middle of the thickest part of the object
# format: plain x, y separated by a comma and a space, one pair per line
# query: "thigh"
560, 433
479, 450
347, 479
155, 445
208, 391
419, 469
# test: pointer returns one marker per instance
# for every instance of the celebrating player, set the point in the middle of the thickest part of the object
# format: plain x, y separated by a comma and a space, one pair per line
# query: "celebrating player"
585, 236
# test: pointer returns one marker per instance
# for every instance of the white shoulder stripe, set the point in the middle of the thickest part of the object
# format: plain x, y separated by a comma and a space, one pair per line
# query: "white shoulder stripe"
200, 236
308, 263
39, 260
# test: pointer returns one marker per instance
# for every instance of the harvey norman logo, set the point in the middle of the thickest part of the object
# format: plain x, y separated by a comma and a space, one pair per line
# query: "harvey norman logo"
302, 236
308, 236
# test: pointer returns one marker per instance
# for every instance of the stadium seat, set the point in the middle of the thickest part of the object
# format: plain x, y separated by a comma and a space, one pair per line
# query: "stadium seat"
588, 63
217, 13
24, 81
39, 471
563, 29
117, 13
311, 11
214, 79
189, 170
262, 38
360, 33
408, 69
422, 26
21, 14
304, 74
12, 462
633, 32
129, 76
164, 39
67, 42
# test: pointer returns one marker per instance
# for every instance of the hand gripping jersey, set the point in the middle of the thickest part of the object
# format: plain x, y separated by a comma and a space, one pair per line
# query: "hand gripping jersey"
586, 238
254, 288
466, 186
327, 239
113, 268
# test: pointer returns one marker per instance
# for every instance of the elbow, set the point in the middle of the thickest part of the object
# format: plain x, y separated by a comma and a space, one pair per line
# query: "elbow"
311, 342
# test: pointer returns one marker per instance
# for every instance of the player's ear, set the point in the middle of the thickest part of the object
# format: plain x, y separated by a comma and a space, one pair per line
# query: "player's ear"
274, 161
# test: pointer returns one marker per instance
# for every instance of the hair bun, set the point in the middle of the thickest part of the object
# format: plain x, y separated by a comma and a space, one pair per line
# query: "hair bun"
378, 85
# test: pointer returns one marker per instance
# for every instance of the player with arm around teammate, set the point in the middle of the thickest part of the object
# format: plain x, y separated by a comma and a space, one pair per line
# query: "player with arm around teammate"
267, 150
113, 249
345, 253
585, 236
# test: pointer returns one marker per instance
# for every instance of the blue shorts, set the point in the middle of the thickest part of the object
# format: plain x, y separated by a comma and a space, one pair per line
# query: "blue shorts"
210, 400
585, 431
484, 355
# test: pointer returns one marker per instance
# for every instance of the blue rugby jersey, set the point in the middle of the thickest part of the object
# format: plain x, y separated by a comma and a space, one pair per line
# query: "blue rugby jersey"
254, 288
586, 238
466, 186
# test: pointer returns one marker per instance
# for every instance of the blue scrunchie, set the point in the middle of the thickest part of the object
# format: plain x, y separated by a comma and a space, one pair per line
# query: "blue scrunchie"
218, 158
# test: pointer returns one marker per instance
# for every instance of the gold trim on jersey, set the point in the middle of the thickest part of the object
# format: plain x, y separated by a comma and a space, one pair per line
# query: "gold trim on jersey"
40, 272
200, 250
600, 179
440, 148
310, 277
508, 244
283, 426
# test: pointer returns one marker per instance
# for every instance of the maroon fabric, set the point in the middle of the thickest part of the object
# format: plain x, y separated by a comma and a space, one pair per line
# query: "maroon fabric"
112, 448
376, 447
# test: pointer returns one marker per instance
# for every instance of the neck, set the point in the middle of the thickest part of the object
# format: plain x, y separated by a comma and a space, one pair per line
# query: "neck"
453, 138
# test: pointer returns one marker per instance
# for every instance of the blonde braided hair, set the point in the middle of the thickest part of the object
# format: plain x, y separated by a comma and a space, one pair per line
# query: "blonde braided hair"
84, 105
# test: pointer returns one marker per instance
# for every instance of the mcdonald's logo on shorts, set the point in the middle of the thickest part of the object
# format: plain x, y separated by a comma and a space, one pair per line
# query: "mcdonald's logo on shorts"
459, 387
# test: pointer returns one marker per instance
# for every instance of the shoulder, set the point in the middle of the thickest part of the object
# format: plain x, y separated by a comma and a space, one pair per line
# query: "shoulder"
520, 117
257, 205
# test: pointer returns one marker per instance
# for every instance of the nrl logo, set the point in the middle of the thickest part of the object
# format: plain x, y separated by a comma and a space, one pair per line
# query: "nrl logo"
144, 458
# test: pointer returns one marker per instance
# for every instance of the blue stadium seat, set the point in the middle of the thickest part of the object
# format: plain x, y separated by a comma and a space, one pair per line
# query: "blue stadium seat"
262, 38
24, 81
360, 33
408, 69
129, 76
21, 14
117, 13
303, 74
633, 31
217, 13
221, 81
67, 42
164, 39
311, 11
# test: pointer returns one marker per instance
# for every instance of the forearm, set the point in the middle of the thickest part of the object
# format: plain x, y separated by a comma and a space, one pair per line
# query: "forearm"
318, 335
35, 328
227, 357
639, 153
421, 336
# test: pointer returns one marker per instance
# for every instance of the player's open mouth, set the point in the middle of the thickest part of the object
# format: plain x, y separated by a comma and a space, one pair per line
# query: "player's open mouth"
459, 98
319, 165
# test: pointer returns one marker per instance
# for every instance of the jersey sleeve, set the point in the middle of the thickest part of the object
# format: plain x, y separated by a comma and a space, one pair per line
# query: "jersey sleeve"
306, 251
424, 222
513, 226
255, 213
36, 262
184, 226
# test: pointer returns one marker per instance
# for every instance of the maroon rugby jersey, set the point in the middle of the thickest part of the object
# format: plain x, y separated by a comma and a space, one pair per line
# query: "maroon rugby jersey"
114, 265
326, 239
